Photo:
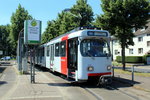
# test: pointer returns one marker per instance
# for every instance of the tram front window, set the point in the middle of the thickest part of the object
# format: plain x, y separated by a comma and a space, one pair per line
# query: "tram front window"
95, 48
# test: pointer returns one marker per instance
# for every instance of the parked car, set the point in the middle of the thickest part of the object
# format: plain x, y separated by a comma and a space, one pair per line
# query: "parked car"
6, 58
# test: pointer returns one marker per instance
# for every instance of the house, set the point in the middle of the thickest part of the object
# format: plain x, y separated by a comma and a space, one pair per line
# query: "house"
141, 43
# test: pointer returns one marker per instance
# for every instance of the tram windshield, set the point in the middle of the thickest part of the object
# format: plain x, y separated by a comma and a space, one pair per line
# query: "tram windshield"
95, 48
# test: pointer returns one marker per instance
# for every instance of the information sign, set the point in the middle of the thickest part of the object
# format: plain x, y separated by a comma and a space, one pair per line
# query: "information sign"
32, 32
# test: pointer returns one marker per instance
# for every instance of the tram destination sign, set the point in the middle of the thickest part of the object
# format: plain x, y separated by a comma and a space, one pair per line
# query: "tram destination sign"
32, 32
97, 33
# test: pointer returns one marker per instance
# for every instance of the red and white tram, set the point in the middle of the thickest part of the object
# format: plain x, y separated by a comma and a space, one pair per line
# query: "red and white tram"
78, 54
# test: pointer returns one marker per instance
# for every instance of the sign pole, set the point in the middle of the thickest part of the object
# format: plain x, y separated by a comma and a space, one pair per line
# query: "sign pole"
32, 36
34, 64
31, 65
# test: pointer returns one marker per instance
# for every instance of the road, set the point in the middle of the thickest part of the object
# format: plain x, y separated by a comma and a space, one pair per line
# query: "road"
141, 69
89, 90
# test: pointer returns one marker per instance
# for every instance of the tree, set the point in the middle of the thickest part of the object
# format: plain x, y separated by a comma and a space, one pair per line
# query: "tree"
84, 13
17, 24
51, 31
121, 16
4, 33
80, 15
67, 22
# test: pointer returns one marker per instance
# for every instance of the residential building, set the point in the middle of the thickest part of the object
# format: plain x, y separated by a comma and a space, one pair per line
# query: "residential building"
141, 43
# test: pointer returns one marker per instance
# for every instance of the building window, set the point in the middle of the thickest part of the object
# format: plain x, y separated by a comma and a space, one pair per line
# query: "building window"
130, 51
140, 50
116, 52
140, 39
115, 42
148, 34
148, 43
133, 30
144, 28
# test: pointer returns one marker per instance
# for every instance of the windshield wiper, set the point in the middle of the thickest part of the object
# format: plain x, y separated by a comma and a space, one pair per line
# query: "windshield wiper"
89, 54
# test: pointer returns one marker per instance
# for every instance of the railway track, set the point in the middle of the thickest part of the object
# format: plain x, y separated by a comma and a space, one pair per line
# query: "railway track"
98, 92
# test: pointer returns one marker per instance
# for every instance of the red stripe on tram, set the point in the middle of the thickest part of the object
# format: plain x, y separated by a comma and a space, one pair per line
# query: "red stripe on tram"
64, 61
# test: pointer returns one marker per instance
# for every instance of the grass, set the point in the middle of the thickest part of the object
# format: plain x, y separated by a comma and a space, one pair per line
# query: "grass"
114, 63
129, 73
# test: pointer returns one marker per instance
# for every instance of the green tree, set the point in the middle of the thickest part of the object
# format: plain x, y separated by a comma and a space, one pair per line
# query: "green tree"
51, 31
4, 40
63, 23
17, 24
80, 15
84, 13
121, 16
67, 22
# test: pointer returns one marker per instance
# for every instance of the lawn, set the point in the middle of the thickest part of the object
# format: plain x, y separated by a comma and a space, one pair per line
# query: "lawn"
129, 73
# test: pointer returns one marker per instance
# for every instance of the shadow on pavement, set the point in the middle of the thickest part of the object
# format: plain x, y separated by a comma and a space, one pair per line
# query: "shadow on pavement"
127, 81
5, 63
116, 83
2, 69
2, 83
121, 83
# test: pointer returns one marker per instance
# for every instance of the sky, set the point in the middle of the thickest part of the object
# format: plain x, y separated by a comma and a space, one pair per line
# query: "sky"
43, 10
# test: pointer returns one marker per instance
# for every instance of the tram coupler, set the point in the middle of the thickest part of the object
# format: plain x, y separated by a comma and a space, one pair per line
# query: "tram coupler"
104, 80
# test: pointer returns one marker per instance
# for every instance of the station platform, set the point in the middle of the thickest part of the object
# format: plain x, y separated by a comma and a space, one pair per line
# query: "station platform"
14, 86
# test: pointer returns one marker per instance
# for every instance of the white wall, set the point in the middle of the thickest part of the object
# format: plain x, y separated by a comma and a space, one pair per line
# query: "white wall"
137, 45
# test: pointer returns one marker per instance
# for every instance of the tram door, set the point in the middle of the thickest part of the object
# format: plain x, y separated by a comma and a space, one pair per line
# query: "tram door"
72, 56
52, 56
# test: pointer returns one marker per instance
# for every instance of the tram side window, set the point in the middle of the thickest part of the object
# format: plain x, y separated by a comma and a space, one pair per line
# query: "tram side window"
63, 49
48, 50
57, 49
43, 51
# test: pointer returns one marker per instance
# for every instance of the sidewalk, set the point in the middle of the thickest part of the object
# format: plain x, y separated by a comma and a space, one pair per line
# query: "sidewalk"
7, 81
18, 87
139, 81
14, 86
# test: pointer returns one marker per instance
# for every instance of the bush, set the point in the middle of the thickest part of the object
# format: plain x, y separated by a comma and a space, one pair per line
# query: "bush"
145, 58
131, 59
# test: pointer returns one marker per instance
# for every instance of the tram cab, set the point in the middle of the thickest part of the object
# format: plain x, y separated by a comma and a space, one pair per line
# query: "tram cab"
89, 54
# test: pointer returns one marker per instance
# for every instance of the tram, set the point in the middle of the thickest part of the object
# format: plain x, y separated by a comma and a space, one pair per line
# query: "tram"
79, 54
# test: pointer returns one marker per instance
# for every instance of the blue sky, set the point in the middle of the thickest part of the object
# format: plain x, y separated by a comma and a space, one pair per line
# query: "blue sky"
43, 10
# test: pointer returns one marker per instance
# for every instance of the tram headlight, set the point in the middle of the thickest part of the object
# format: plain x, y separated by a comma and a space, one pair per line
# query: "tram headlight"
109, 67
90, 68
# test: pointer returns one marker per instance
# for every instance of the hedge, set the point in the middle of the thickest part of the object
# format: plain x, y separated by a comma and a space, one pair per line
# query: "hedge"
131, 59
145, 58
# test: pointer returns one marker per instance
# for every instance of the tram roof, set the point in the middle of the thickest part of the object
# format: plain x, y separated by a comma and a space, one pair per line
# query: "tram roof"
74, 31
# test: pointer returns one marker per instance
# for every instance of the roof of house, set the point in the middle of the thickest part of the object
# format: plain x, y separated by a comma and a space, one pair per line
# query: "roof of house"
146, 31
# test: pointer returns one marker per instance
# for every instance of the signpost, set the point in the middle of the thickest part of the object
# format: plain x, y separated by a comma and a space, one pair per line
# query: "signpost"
32, 37
32, 32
